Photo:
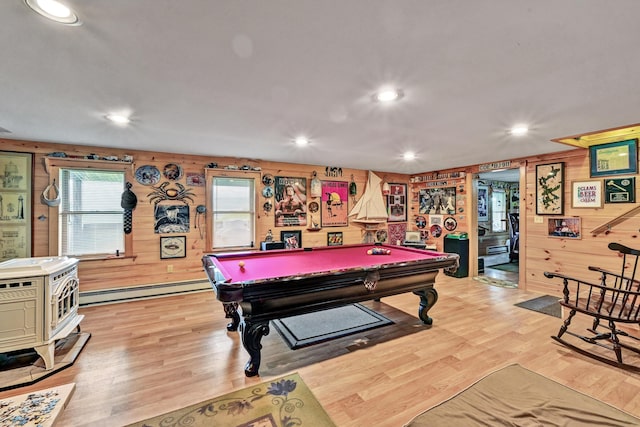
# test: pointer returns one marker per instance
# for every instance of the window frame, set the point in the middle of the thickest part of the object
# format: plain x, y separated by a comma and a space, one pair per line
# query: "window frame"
53, 166
212, 173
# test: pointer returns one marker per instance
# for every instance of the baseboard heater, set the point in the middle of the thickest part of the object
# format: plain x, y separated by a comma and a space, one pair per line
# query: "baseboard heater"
111, 296
492, 250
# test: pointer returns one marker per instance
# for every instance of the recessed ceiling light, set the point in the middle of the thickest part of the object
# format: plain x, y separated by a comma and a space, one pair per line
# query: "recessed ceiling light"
408, 156
118, 119
519, 130
388, 95
54, 10
301, 140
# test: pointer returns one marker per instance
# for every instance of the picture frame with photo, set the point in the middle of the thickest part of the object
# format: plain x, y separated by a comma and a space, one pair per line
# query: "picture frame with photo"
438, 200
565, 227
292, 239
586, 194
397, 203
550, 189
335, 238
290, 207
173, 247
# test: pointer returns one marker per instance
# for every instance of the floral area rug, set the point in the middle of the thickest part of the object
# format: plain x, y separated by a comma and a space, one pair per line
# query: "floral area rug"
283, 402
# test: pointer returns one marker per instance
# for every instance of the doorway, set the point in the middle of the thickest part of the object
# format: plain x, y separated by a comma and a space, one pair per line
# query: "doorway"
498, 224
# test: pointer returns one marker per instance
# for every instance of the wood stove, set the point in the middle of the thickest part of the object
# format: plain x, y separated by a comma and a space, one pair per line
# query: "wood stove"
38, 304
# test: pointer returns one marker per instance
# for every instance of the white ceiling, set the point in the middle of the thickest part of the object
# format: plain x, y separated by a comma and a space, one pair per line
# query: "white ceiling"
241, 78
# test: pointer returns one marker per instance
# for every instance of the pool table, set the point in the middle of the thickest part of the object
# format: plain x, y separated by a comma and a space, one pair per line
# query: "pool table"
269, 285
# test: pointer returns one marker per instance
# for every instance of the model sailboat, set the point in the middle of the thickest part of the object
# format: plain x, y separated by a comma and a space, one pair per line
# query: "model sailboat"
370, 212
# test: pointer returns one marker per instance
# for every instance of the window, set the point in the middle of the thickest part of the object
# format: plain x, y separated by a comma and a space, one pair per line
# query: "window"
90, 218
498, 211
233, 211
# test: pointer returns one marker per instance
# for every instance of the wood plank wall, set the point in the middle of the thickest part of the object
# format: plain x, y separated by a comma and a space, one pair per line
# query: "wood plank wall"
538, 252
146, 267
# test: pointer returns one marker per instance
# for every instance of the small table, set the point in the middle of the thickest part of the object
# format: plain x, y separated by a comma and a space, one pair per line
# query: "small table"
282, 283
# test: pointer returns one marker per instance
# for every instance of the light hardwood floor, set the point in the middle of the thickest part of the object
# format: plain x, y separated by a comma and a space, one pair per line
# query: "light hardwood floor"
152, 356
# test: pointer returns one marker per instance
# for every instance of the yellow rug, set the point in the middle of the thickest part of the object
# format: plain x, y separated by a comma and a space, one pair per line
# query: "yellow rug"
283, 402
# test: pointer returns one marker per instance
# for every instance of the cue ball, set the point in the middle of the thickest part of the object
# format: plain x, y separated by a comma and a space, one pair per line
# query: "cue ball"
241, 264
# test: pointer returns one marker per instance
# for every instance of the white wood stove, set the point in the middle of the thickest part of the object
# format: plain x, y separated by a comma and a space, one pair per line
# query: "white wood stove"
38, 304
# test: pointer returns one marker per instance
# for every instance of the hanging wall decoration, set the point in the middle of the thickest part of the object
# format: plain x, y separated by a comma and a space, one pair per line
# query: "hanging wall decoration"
195, 179
292, 239
171, 219
172, 171
15, 205
397, 202
334, 203
162, 193
438, 200
620, 190
147, 175
173, 247
291, 201
316, 186
550, 189
128, 202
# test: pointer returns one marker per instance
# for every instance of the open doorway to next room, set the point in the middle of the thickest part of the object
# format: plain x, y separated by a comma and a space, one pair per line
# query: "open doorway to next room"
498, 224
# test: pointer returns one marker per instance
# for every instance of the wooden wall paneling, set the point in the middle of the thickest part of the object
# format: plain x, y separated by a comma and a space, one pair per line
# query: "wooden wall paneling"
538, 253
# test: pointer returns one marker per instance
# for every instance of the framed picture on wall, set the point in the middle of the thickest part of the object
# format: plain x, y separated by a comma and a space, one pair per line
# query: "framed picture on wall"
620, 190
586, 194
292, 239
334, 238
397, 203
483, 203
441, 200
334, 204
15, 205
614, 158
550, 189
173, 247
565, 228
290, 207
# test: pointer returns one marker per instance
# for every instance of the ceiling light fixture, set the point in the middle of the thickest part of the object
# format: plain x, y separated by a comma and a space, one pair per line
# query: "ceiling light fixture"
388, 95
118, 119
301, 140
519, 130
409, 156
54, 10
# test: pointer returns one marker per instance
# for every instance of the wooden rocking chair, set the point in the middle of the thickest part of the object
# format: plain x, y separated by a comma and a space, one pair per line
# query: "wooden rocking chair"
616, 299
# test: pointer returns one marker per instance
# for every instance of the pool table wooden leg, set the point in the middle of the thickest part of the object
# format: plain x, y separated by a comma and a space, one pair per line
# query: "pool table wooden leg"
252, 333
428, 298
231, 312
